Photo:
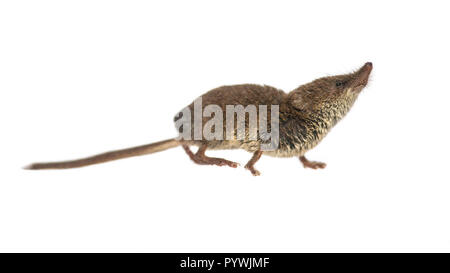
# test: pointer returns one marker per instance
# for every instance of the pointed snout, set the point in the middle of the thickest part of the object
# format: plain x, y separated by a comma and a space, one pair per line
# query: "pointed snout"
368, 66
362, 75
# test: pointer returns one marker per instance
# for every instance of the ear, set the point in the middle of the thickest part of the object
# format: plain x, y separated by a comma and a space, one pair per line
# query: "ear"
300, 102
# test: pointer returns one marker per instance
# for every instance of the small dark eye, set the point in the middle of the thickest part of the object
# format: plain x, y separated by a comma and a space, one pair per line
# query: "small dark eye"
339, 83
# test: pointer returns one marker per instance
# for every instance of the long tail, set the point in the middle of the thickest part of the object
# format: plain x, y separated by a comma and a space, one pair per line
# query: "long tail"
108, 156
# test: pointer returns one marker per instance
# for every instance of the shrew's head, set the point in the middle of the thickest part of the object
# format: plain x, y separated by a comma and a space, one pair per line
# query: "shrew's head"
332, 96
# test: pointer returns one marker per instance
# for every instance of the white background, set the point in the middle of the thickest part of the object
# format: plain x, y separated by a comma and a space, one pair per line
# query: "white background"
83, 77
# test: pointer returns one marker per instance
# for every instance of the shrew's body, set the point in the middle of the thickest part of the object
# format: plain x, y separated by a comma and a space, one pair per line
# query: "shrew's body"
306, 115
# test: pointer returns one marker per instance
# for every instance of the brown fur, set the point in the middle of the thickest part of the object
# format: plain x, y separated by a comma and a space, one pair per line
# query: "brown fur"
307, 114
